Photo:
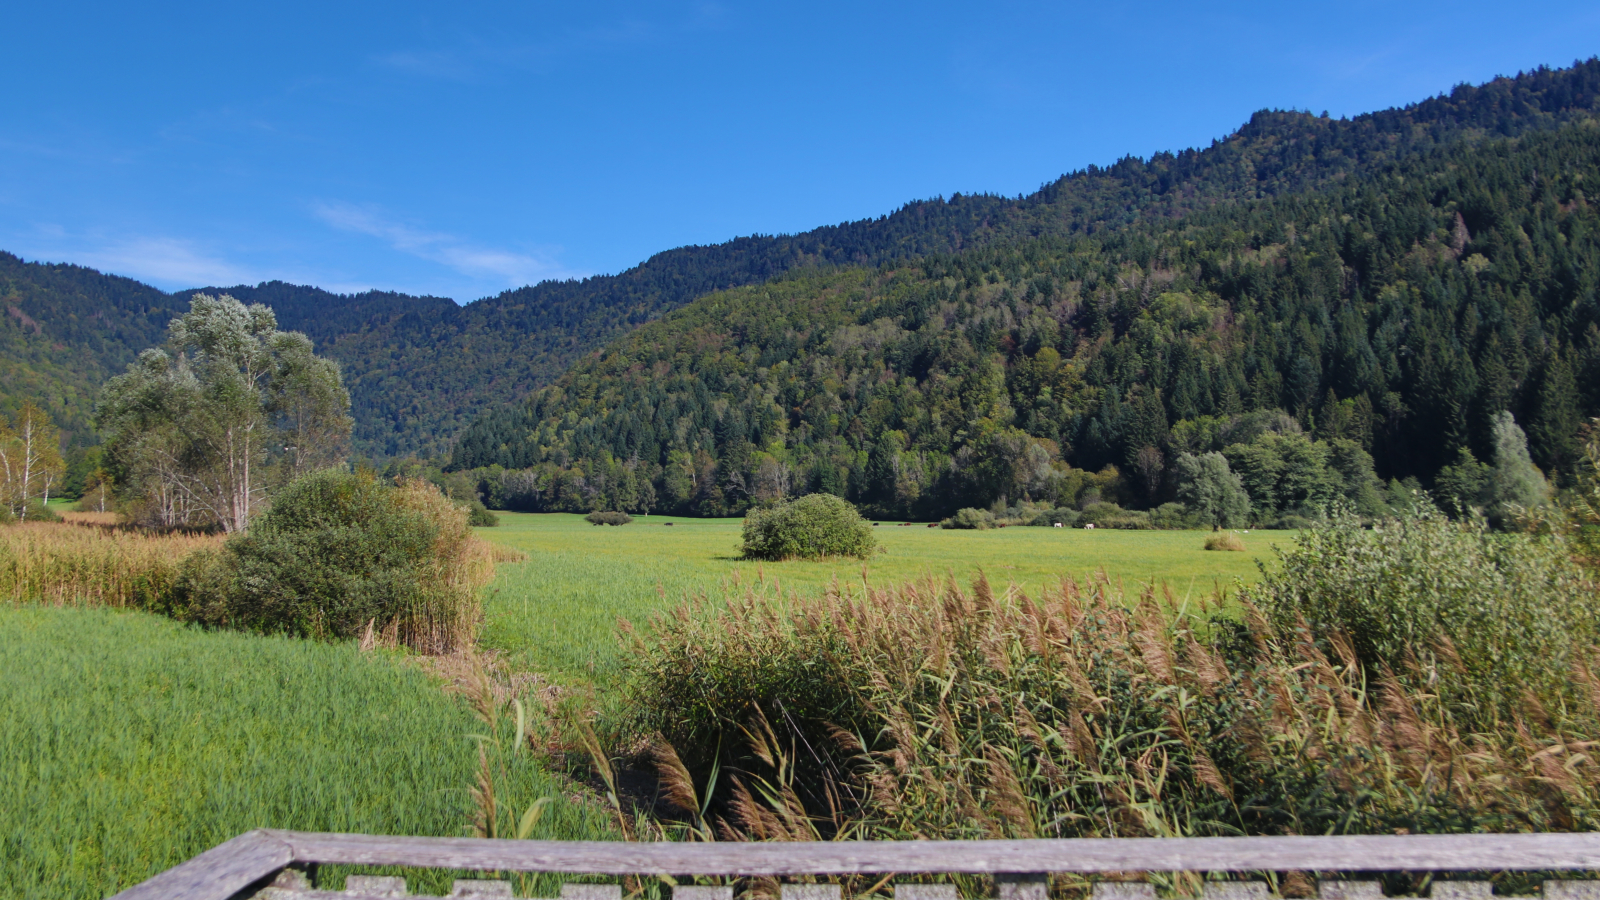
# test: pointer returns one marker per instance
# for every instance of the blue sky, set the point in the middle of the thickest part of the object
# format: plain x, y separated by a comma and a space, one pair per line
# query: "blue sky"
463, 149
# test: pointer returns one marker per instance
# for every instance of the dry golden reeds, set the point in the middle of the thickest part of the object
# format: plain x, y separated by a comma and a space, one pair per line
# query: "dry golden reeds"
445, 619
76, 563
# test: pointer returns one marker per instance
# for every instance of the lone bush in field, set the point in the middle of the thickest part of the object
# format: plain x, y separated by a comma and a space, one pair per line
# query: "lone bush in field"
1225, 540
338, 552
599, 517
812, 527
479, 516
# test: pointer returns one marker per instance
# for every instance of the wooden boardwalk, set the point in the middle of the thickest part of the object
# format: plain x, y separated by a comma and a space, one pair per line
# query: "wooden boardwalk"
269, 864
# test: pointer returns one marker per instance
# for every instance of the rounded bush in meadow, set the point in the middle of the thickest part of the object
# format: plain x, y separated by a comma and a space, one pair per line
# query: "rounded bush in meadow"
340, 552
1225, 540
812, 527
608, 517
479, 516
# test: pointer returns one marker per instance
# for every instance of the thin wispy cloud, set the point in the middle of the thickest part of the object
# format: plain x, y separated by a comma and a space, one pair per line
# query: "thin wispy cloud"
474, 56
511, 268
428, 63
164, 261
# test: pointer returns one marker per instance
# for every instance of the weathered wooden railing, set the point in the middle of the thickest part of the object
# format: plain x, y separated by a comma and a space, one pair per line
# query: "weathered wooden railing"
271, 864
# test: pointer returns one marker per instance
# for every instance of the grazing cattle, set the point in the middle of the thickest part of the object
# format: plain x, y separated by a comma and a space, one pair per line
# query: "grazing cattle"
668, 524
933, 524
1058, 524
1090, 525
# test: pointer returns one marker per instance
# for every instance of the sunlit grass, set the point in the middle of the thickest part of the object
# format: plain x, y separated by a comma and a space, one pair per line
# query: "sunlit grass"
130, 743
556, 613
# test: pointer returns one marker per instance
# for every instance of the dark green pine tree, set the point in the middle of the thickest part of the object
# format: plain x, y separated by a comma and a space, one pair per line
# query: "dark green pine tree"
1552, 434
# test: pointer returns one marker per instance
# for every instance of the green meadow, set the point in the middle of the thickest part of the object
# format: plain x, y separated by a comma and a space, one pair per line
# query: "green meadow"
557, 612
130, 743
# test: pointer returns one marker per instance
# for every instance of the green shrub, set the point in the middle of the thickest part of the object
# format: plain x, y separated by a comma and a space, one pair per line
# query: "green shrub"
610, 517
1513, 610
812, 527
1052, 517
38, 512
479, 516
1173, 516
969, 518
1110, 515
338, 553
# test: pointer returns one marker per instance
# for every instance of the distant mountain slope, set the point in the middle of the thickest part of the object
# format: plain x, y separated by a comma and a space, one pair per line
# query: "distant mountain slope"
1395, 313
436, 375
65, 329
421, 368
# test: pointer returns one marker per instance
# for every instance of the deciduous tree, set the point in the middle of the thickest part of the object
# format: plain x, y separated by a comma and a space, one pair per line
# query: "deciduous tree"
199, 429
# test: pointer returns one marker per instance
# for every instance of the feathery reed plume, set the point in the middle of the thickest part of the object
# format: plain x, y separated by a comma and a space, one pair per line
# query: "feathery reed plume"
676, 783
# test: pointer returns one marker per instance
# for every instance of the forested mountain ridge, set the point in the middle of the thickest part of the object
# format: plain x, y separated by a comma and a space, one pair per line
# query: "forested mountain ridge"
1392, 315
420, 369
64, 330
496, 349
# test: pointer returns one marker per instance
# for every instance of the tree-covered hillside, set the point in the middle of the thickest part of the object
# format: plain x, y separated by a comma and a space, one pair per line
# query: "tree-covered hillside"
439, 374
420, 369
1394, 314
64, 330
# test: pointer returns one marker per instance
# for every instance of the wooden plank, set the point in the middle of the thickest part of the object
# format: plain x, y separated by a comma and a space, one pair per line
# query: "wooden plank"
808, 892
1464, 852
1350, 890
1572, 890
1236, 890
925, 892
1023, 886
1462, 890
218, 873
1123, 890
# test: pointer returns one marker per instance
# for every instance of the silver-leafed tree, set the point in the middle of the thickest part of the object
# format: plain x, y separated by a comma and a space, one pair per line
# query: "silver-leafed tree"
197, 431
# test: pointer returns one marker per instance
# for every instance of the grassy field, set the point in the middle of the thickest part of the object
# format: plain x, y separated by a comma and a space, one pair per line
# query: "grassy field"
557, 612
129, 743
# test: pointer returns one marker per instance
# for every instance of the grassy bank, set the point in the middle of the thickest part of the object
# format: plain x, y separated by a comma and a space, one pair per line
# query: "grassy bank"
129, 743
557, 612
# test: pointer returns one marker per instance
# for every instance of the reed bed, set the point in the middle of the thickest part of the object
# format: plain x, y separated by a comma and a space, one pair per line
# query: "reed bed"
76, 563
929, 710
